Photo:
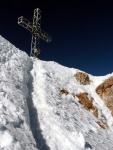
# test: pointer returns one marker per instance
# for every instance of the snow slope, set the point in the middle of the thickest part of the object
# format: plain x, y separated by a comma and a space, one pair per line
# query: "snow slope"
15, 132
36, 114
65, 124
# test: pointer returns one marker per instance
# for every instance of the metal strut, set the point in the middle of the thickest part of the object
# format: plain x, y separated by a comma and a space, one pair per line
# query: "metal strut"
35, 29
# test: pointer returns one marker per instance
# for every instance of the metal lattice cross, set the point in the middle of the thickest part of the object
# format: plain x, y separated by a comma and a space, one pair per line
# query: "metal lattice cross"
35, 29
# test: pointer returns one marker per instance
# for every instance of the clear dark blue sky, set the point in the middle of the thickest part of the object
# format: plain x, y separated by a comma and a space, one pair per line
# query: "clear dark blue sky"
82, 31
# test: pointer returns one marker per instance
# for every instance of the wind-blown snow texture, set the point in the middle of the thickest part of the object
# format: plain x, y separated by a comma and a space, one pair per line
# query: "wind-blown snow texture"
15, 132
34, 114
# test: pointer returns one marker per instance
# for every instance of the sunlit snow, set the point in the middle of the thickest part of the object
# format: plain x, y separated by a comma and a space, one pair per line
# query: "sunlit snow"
35, 115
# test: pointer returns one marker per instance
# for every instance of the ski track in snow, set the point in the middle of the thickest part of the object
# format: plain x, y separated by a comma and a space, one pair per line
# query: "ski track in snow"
35, 115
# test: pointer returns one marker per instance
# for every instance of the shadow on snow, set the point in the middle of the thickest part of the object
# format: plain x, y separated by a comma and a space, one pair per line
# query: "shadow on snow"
34, 121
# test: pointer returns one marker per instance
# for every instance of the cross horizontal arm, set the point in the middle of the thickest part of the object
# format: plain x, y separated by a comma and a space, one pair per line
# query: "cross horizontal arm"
29, 26
25, 23
46, 37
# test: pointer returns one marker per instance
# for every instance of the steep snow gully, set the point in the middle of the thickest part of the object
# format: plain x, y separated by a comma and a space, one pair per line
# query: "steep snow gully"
34, 122
46, 106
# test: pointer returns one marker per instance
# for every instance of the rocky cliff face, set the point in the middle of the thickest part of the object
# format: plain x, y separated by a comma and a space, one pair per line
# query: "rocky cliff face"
105, 91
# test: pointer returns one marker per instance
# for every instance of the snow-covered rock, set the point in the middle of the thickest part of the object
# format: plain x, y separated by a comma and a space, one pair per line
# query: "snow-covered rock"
46, 106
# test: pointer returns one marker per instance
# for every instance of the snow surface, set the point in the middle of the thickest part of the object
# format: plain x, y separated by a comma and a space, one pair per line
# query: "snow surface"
34, 114
15, 132
65, 124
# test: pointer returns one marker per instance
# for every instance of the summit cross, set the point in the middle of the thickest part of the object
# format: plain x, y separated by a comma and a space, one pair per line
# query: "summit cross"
35, 29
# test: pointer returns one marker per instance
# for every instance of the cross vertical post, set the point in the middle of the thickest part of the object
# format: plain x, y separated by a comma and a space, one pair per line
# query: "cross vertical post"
35, 29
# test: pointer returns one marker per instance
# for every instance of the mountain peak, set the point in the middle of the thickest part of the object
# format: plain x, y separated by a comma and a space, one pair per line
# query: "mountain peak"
47, 106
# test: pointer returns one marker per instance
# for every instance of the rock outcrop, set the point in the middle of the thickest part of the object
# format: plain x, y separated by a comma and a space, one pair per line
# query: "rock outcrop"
83, 78
105, 91
87, 103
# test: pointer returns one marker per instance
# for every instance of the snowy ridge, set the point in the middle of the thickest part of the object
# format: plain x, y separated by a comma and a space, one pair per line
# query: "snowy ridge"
39, 107
15, 133
64, 122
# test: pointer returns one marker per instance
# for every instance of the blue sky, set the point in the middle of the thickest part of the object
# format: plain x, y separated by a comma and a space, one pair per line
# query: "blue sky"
82, 31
